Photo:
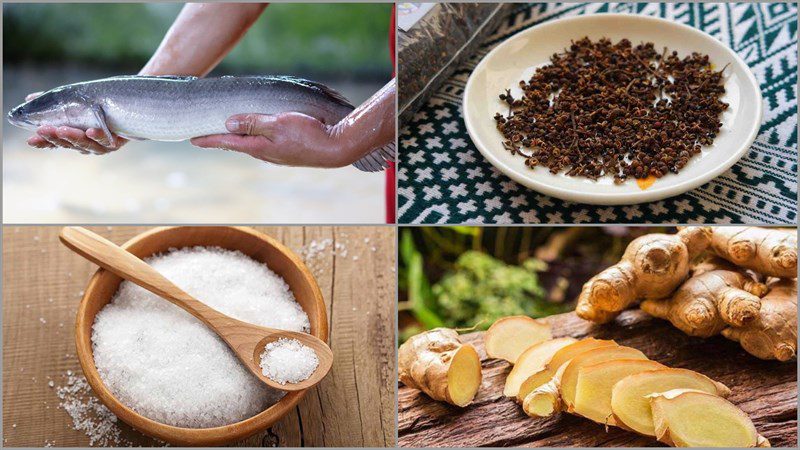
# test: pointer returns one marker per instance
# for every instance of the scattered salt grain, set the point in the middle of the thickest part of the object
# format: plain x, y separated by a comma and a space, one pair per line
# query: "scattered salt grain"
51, 383
168, 366
43, 320
288, 361
88, 414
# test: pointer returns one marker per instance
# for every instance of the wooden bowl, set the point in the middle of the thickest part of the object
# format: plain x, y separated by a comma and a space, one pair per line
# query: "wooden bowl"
103, 285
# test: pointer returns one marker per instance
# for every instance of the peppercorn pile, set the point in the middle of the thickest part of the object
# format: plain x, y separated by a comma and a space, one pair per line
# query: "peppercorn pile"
614, 109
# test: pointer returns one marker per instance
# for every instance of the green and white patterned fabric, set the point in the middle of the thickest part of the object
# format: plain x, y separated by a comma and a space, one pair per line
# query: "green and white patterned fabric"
444, 179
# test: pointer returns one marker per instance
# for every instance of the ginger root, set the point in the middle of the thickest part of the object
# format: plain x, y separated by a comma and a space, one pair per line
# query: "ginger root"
631, 406
438, 364
689, 418
509, 336
771, 252
773, 335
720, 294
652, 267
707, 303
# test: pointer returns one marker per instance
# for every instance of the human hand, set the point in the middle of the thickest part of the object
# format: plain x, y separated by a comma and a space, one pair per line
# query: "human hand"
291, 139
296, 139
92, 140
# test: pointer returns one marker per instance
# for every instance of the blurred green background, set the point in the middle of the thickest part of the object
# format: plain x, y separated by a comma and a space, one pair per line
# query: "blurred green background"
316, 40
468, 277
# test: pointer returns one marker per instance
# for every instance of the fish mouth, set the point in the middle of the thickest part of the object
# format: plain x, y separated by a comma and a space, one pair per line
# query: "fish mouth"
15, 118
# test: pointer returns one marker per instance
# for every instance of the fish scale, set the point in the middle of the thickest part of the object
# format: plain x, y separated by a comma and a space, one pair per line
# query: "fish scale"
171, 108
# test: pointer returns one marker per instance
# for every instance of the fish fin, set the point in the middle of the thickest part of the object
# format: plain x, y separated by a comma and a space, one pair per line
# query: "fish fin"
100, 116
169, 77
326, 91
155, 77
132, 138
377, 159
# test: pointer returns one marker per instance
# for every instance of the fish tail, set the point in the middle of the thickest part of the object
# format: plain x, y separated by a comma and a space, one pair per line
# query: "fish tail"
377, 159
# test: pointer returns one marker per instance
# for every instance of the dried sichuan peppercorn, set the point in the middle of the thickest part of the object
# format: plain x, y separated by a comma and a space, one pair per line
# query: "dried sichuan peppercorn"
614, 109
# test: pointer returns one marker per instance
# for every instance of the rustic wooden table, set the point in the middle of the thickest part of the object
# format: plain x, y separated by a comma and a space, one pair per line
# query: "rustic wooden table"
352, 407
766, 390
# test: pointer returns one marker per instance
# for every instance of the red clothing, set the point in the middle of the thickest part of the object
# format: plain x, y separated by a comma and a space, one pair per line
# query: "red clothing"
391, 196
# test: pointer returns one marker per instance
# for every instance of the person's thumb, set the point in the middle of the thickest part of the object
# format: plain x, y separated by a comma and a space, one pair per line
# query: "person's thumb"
251, 124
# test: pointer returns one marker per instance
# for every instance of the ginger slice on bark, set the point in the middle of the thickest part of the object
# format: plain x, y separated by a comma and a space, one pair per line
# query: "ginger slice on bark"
631, 406
689, 418
534, 376
533, 359
509, 336
595, 383
559, 393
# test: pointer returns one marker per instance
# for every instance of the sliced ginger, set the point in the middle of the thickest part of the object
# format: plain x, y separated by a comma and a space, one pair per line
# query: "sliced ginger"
545, 400
532, 376
569, 380
440, 365
532, 360
559, 393
629, 396
508, 337
688, 418
595, 383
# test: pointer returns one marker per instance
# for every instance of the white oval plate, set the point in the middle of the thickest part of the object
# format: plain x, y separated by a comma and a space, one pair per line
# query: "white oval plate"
517, 59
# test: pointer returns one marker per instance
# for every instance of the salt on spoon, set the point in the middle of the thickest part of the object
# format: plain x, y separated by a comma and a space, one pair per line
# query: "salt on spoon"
247, 341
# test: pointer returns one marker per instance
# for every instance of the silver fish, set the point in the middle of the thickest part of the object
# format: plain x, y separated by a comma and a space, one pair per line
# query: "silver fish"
170, 108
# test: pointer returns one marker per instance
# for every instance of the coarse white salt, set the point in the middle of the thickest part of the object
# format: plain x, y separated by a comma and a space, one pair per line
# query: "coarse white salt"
88, 414
288, 361
168, 366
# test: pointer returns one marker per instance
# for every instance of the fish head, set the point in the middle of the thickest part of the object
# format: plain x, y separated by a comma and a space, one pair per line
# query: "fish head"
57, 107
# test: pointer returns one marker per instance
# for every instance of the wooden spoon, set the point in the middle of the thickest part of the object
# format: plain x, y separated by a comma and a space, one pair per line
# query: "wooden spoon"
246, 340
